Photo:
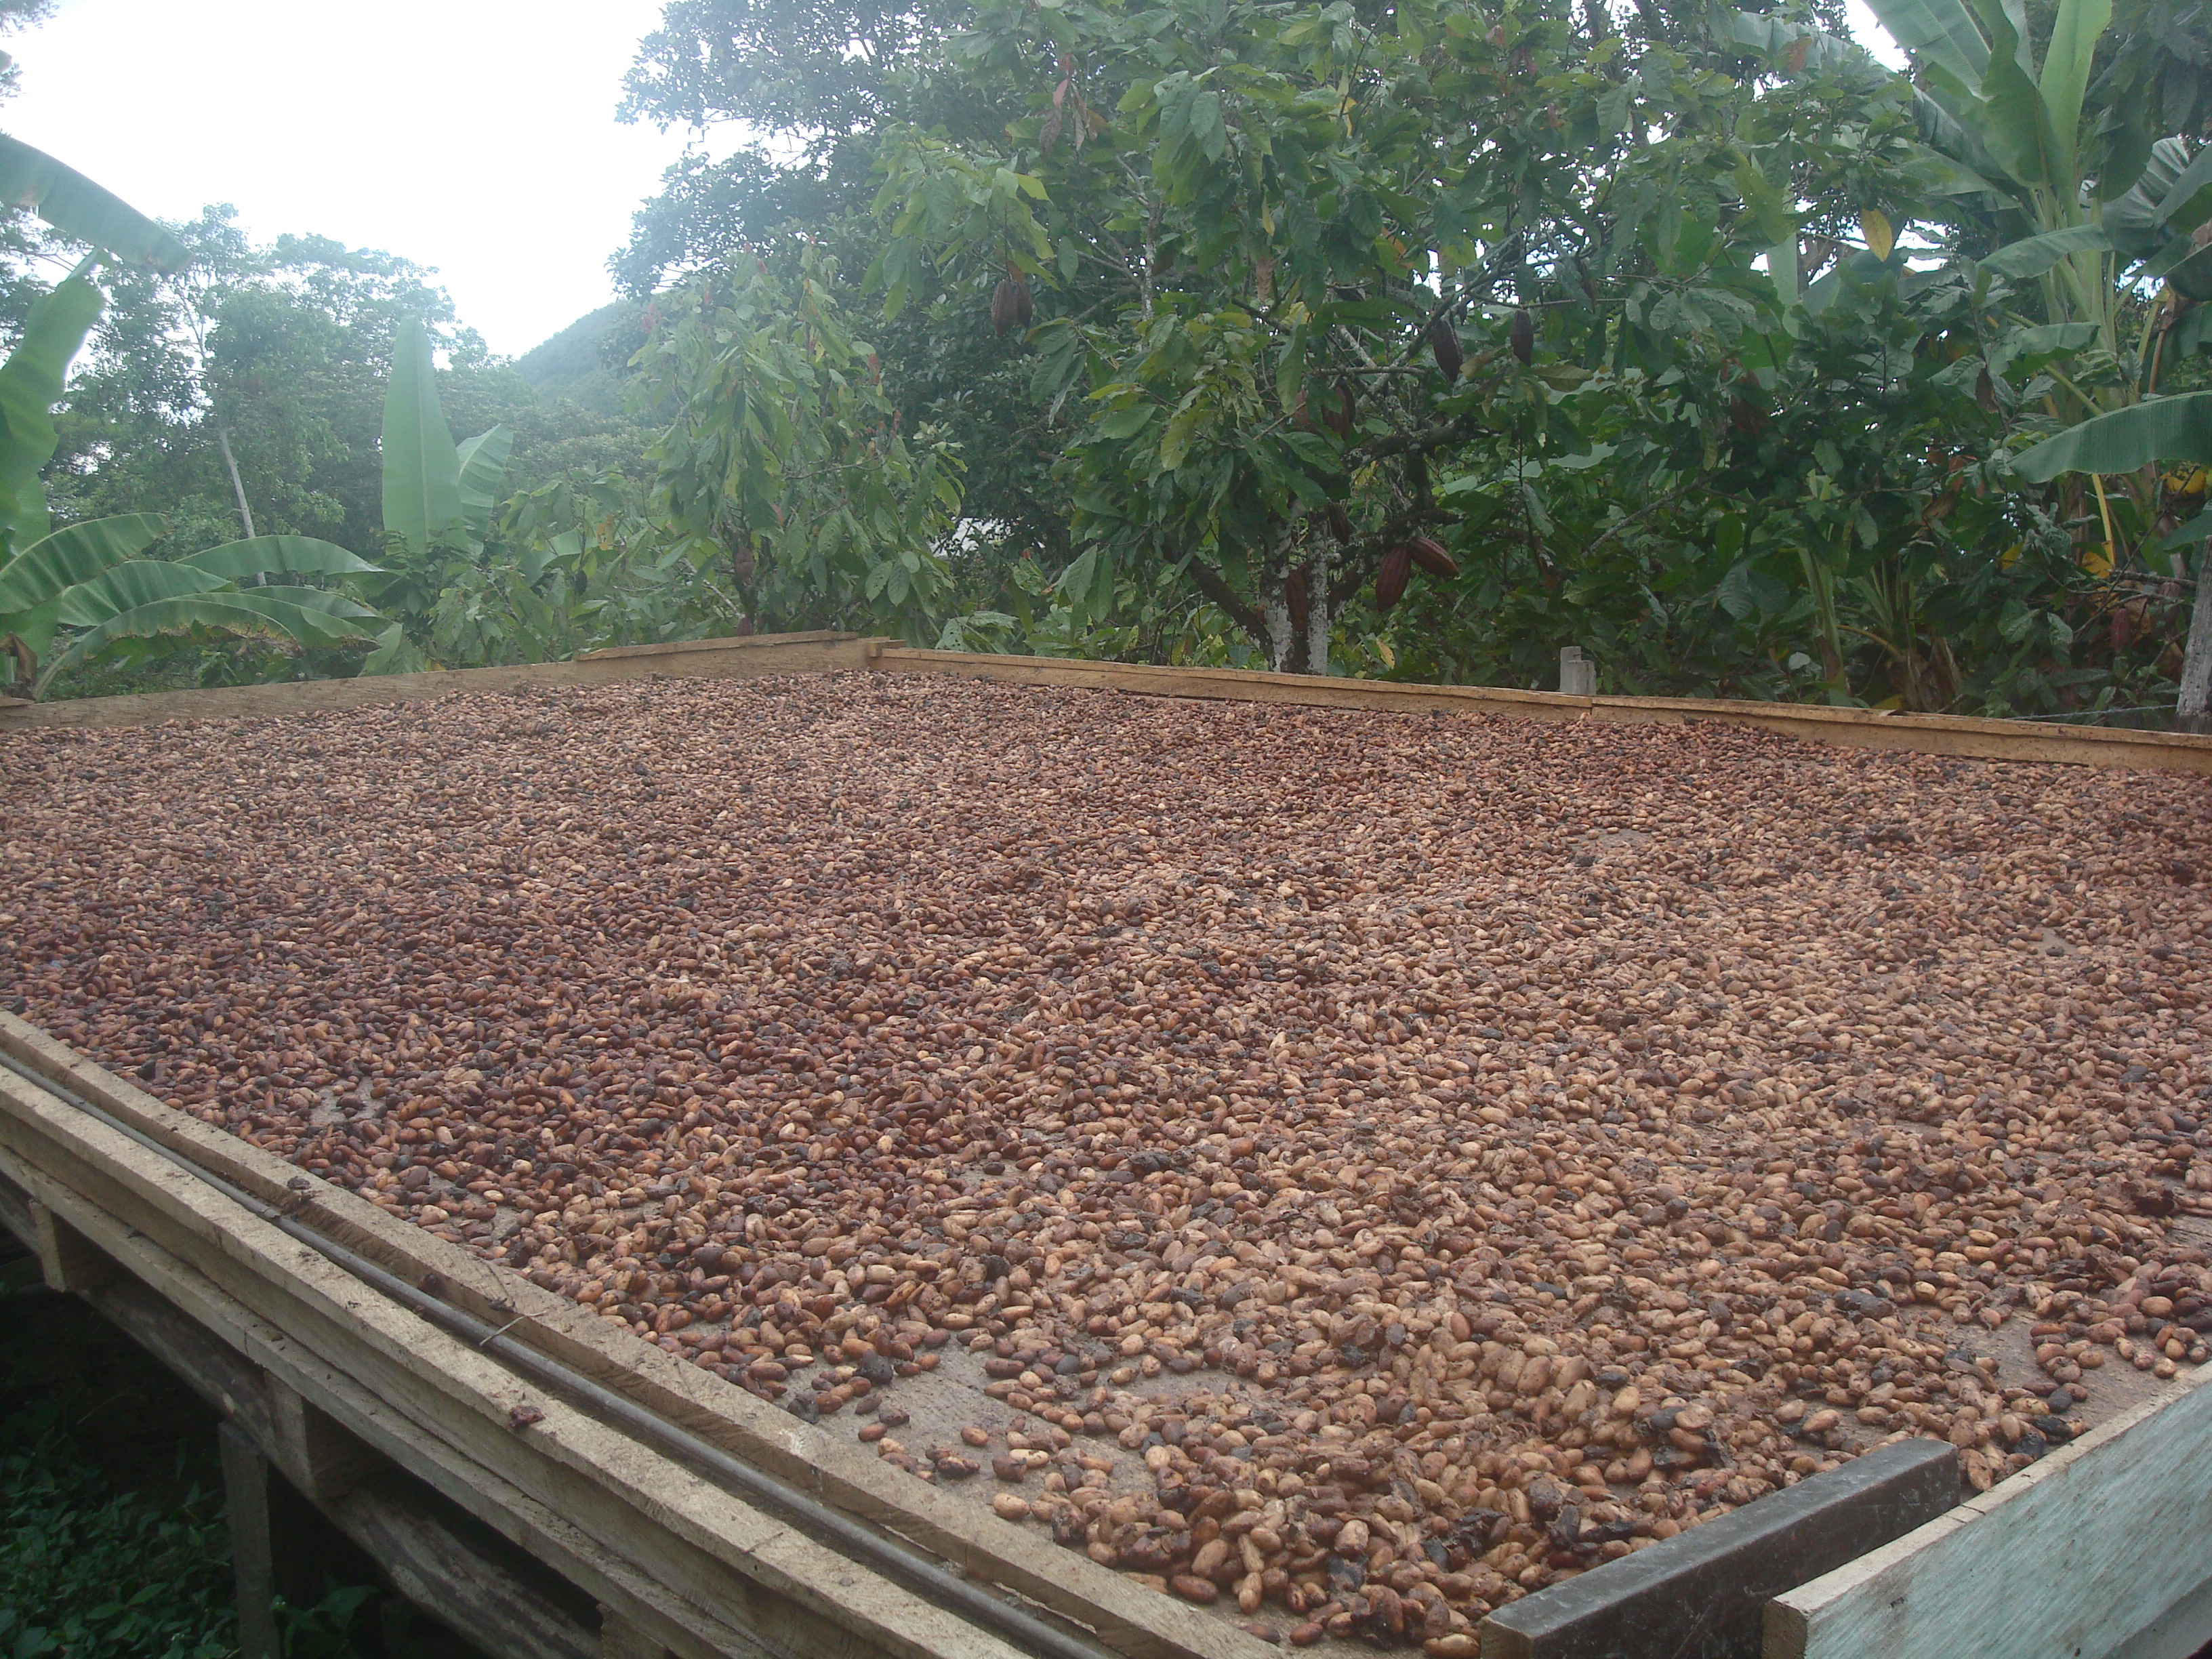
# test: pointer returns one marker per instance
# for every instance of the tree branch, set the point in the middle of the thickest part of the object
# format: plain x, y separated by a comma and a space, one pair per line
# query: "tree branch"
1225, 596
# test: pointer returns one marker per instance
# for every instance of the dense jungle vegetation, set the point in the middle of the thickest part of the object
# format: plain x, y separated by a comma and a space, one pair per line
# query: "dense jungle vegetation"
1411, 340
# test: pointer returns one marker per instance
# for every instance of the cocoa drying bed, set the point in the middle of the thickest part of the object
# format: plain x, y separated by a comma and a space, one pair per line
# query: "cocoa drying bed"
547, 1479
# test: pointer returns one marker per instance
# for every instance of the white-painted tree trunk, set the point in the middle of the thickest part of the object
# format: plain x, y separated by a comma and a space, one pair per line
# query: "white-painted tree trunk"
1317, 616
2190, 710
1275, 605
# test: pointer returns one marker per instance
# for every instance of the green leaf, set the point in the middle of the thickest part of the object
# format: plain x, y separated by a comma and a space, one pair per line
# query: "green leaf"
81, 210
2188, 201
2033, 255
76, 553
2177, 429
34, 627
483, 461
2192, 278
422, 468
2066, 58
31, 383
1937, 31
2134, 221
2013, 122
260, 610
125, 587
2197, 529
1733, 594
273, 556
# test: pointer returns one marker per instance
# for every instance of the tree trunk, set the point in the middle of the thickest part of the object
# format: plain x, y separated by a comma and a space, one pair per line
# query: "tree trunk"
237, 484
1276, 607
2190, 710
1317, 609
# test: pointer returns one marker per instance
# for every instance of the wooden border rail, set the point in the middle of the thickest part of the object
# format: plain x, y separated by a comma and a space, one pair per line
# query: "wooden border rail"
802, 653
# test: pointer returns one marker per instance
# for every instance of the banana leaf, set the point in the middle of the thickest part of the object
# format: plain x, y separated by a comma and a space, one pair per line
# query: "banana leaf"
2135, 220
76, 553
2033, 255
2066, 58
1938, 32
258, 610
422, 468
36, 626
483, 465
30, 386
273, 556
2177, 429
81, 210
125, 587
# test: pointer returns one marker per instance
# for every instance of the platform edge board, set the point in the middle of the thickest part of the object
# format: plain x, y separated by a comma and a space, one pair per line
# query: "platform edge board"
2072, 1556
605, 1482
1964, 736
1701, 1595
1134, 1621
731, 659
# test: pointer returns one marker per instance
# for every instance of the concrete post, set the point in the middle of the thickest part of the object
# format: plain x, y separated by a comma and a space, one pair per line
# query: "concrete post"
1577, 676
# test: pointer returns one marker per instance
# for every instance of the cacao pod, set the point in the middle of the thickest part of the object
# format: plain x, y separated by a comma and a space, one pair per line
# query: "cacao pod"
1390, 581
1429, 555
1522, 336
1340, 521
1010, 303
1294, 590
1443, 346
1339, 420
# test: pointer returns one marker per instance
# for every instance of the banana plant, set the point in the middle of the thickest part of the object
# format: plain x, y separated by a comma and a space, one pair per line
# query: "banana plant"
438, 496
53, 333
2082, 195
80, 210
84, 587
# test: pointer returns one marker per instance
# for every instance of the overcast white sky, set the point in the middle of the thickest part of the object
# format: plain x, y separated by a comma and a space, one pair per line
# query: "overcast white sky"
475, 136
478, 136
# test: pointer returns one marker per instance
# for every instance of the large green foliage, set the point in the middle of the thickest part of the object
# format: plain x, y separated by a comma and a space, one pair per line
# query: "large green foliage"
1719, 419
785, 462
86, 584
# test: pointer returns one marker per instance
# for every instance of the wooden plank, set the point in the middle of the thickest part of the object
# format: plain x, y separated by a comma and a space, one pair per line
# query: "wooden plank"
2182, 1631
1230, 684
1702, 1593
689, 1632
601, 1480
1968, 737
458, 1583
2072, 1556
1125, 1616
764, 653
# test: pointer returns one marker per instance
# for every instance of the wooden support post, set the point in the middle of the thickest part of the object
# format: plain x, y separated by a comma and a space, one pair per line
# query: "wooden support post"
71, 1262
316, 1455
245, 1483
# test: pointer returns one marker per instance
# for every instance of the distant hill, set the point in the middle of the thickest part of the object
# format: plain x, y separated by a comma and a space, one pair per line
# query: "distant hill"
571, 367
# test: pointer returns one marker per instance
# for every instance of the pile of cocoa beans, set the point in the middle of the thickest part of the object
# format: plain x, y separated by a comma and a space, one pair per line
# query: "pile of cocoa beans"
1372, 1165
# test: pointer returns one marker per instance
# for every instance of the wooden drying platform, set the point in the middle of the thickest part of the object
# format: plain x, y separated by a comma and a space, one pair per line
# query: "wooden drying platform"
541, 1525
